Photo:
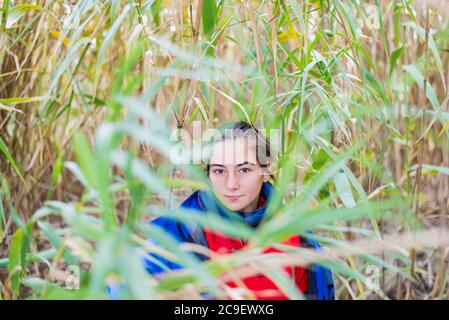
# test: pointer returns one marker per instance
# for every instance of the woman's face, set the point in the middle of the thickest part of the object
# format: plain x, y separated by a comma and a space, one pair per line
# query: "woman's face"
235, 174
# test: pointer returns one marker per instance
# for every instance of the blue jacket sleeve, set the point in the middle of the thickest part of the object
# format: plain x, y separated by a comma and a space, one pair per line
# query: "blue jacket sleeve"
322, 281
155, 263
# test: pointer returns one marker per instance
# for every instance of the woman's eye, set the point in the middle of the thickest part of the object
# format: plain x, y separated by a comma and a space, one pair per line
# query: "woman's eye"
245, 170
218, 171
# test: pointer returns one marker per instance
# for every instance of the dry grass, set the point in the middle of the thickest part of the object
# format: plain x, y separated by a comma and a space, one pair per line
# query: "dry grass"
290, 64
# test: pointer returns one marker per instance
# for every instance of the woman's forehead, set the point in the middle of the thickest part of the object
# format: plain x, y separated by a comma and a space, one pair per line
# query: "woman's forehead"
233, 152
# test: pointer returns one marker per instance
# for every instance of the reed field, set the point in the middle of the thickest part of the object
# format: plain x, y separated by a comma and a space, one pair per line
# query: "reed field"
99, 98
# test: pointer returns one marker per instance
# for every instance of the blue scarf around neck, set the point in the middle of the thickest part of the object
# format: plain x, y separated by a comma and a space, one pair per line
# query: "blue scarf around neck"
212, 204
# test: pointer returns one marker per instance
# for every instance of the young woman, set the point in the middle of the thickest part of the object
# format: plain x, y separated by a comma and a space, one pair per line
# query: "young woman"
239, 174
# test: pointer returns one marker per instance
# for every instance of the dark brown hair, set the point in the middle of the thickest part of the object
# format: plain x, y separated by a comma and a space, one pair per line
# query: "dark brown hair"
242, 129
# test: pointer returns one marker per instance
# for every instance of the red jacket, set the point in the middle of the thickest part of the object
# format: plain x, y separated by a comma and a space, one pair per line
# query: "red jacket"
258, 285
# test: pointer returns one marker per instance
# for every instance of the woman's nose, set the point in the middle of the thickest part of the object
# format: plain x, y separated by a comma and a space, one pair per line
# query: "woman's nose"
232, 182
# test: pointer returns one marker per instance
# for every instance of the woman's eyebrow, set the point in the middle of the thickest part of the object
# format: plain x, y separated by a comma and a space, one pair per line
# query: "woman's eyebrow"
244, 163
238, 165
217, 165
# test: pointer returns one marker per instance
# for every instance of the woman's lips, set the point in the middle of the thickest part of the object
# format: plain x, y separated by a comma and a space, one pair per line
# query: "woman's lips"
233, 198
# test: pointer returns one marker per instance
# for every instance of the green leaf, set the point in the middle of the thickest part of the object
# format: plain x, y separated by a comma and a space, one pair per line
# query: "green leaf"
355, 183
4, 10
52, 291
56, 171
15, 265
299, 221
382, 27
2, 221
16, 12
161, 238
134, 274
285, 284
96, 170
114, 4
395, 55
235, 104
344, 191
12, 101
380, 92
415, 73
85, 158
430, 93
140, 170
69, 58
432, 168
11, 160
78, 173
17, 220
209, 16
105, 139
155, 11
421, 32
38, 257
105, 262
108, 39
55, 241
327, 173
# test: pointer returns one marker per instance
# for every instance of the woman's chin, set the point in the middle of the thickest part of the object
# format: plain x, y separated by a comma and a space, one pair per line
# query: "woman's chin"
234, 206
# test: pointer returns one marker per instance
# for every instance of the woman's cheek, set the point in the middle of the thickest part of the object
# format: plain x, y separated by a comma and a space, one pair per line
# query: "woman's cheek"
253, 179
252, 183
217, 184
